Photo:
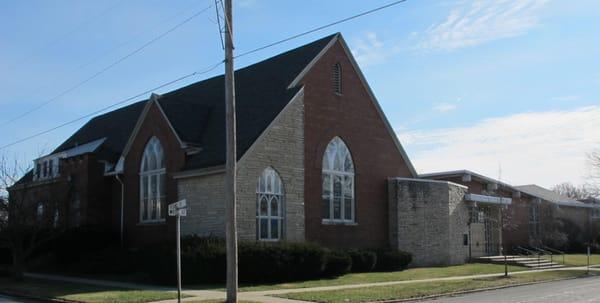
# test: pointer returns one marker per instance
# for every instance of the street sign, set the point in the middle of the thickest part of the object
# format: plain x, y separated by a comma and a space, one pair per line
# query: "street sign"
178, 208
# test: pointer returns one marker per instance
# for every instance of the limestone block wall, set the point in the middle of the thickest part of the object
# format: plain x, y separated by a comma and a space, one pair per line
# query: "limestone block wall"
206, 207
281, 147
428, 218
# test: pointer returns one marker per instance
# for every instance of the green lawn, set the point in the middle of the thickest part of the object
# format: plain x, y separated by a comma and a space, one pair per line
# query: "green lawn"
409, 274
82, 293
422, 289
577, 259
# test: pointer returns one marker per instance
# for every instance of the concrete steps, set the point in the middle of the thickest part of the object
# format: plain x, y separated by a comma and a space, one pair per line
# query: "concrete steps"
529, 262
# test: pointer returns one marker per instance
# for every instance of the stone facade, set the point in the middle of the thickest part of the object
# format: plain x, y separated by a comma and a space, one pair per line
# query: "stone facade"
206, 208
428, 219
281, 147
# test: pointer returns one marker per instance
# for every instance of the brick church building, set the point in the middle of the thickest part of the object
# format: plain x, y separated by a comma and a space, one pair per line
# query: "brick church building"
317, 161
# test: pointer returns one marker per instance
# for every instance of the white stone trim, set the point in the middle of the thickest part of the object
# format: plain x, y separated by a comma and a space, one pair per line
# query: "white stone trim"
430, 181
207, 171
483, 199
298, 95
310, 65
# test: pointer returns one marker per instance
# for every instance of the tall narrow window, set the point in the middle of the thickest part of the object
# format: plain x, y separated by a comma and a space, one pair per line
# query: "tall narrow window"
152, 183
534, 221
75, 211
40, 212
338, 183
56, 218
337, 78
269, 206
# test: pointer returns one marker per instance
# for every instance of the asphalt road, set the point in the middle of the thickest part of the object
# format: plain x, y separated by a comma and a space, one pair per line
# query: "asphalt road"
5, 299
572, 291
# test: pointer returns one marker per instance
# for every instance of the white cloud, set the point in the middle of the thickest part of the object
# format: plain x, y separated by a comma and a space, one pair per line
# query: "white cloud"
566, 98
369, 50
478, 22
538, 147
444, 107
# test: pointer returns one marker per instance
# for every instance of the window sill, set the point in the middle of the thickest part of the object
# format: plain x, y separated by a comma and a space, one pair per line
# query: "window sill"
336, 222
152, 223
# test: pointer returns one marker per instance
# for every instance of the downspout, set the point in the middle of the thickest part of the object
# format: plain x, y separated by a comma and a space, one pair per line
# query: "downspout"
122, 205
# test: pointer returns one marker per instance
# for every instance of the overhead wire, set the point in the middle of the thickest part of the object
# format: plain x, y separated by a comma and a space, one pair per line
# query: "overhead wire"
108, 67
205, 71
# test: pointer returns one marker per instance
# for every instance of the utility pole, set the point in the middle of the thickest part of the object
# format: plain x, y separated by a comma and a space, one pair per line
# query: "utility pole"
231, 159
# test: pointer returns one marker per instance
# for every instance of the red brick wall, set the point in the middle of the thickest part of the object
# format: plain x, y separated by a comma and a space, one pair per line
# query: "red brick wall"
515, 231
353, 117
138, 234
81, 174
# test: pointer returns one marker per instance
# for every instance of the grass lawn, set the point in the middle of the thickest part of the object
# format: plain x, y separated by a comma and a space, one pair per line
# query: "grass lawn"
217, 301
577, 259
409, 274
82, 293
422, 289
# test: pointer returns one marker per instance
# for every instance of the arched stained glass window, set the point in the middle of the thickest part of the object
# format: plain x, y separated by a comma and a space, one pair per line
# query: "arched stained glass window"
338, 183
152, 183
269, 206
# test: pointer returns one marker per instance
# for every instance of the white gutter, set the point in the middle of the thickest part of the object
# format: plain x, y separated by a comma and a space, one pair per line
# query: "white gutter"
488, 199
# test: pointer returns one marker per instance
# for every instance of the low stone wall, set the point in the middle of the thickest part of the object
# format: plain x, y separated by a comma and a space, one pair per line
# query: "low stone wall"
429, 219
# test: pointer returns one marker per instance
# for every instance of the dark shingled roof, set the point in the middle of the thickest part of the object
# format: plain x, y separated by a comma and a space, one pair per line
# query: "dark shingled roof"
197, 111
115, 126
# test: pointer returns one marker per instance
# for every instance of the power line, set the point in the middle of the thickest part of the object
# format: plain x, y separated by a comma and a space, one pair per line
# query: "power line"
211, 68
203, 72
110, 50
95, 75
72, 31
321, 28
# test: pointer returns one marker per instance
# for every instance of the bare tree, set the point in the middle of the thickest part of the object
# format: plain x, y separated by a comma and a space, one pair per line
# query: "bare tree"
594, 177
571, 191
26, 224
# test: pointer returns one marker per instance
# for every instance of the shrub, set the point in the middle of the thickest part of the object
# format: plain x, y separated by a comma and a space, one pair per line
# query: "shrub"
363, 260
275, 262
392, 260
203, 262
338, 263
74, 245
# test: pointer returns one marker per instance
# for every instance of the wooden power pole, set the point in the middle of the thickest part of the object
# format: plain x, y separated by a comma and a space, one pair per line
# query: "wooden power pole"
231, 159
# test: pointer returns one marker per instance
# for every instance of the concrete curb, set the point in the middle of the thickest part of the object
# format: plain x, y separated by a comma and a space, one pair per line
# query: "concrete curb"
457, 293
35, 298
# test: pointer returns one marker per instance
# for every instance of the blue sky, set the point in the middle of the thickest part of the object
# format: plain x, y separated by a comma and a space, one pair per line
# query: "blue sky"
510, 89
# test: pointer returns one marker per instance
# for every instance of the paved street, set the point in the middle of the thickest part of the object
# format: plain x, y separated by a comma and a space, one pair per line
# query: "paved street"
572, 291
4, 299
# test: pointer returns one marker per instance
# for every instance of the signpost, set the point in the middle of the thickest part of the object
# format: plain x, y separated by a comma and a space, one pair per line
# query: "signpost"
178, 210
588, 259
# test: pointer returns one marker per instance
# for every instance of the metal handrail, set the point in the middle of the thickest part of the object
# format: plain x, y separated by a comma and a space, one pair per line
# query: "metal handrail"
556, 251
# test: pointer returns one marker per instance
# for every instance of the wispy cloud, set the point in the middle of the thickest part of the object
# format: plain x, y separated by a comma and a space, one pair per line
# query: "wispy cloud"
369, 50
444, 107
478, 22
566, 98
538, 147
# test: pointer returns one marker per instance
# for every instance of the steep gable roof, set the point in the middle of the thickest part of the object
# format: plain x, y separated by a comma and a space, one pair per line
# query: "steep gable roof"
197, 111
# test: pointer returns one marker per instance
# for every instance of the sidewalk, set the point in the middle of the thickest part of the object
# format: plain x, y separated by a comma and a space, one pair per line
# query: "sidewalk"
267, 295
